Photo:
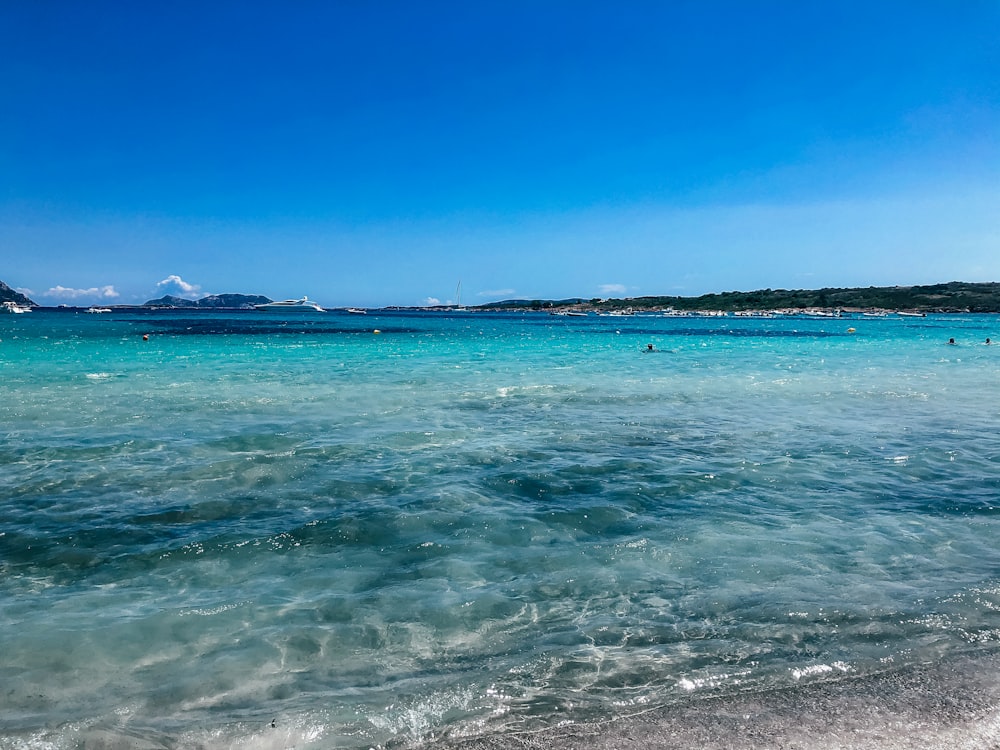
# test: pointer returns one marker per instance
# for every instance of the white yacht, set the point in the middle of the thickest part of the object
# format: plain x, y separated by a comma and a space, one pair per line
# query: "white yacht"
13, 307
98, 309
291, 305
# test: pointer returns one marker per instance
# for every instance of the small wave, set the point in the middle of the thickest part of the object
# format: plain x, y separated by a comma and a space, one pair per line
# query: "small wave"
817, 670
209, 611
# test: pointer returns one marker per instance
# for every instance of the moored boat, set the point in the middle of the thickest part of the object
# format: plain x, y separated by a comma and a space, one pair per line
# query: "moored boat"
291, 305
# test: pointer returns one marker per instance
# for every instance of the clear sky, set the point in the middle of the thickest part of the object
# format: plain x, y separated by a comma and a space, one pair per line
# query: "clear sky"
376, 153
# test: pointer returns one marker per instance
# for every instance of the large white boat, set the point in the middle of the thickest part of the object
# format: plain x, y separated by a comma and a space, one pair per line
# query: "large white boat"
13, 307
291, 305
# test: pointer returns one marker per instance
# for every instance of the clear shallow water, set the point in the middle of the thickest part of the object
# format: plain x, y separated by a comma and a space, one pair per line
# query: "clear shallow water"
479, 524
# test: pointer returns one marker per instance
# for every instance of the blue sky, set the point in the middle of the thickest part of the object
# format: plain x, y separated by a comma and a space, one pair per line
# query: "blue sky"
377, 153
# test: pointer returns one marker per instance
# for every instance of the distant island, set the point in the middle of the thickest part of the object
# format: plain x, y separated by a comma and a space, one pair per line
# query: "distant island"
952, 297
212, 301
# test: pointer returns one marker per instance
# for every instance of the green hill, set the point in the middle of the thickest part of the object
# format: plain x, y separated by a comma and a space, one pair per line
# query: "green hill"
9, 295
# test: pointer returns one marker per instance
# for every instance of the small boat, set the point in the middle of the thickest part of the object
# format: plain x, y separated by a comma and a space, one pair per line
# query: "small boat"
357, 311
911, 314
98, 309
14, 308
291, 305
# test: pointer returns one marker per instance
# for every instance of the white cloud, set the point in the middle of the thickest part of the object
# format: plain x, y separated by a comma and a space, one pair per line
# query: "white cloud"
432, 301
63, 292
497, 293
612, 288
177, 285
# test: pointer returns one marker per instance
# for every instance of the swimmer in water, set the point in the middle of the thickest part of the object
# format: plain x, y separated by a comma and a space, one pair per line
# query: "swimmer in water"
951, 342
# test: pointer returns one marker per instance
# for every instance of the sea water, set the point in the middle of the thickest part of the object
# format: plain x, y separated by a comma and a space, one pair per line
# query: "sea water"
428, 529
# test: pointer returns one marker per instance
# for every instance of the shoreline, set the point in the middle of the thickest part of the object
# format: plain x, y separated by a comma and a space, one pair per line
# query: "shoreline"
583, 310
954, 705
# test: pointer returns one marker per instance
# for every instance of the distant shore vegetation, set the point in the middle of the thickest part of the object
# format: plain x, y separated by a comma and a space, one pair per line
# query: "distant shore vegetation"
951, 297
955, 296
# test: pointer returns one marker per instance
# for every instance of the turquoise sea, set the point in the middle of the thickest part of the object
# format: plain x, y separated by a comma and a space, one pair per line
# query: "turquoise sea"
498, 530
